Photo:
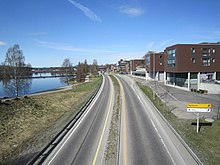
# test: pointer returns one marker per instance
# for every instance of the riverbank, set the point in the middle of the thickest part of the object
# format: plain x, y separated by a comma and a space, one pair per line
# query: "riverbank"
27, 124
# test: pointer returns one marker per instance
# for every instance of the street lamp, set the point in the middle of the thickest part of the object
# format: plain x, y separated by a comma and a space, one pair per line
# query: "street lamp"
154, 74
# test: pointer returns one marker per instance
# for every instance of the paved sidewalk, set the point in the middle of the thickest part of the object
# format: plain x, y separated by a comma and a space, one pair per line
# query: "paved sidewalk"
176, 99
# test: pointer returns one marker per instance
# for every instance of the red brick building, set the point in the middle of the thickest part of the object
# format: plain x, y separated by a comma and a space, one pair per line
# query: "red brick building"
137, 63
155, 65
187, 65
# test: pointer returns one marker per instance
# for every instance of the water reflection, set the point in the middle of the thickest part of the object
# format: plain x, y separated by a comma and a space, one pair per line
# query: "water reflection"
31, 85
17, 87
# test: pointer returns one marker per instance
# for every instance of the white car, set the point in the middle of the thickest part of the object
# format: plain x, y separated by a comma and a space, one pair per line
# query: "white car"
217, 81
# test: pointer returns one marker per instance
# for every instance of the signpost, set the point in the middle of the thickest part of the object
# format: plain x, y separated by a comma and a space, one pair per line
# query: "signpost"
193, 107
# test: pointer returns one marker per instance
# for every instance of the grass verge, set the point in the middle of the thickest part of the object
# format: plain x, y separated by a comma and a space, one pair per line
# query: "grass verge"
111, 153
205, 144
28, 124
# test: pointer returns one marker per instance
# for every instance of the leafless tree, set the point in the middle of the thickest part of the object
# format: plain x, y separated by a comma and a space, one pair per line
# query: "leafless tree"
80, 72
94, 69
67, 70
86, 67
16, 71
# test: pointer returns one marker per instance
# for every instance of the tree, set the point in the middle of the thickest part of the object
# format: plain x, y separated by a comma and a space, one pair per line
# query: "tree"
94, 69
86, 67
80, 72
67, 70
15, 71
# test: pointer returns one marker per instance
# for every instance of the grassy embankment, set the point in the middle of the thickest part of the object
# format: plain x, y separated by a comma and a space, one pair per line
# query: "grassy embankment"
206, 144
111, 153
28, 124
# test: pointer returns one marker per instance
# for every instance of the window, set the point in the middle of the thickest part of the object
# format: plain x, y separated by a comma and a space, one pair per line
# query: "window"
213, 60
193, 55
206, 62
148, 60
161, 60
213, 55
206, 57
171, 58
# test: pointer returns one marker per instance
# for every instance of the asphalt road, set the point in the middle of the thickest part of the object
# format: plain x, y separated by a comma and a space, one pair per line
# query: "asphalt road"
145, 138
86, 141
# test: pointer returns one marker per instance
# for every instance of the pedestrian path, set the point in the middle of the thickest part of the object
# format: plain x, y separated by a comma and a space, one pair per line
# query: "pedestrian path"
177, 99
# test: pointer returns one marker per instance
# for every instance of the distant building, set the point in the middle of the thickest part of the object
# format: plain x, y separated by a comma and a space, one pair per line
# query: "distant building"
154, 66
135, 64
137, 67
124, 66
189, 65
102, 68
114, 68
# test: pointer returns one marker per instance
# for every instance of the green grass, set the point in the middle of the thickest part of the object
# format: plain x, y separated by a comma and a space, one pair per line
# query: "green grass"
206, 144
28, 124
115, 83
86, 86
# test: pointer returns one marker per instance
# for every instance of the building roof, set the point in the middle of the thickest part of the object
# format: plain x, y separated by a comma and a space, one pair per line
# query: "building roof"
199, 44
202, 43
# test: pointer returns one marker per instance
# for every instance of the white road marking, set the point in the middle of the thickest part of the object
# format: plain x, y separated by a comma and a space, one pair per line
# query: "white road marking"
162, 142
80, 121
157, 131
169, 94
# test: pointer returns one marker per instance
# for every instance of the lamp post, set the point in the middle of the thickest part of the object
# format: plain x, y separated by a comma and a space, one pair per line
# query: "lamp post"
154, 72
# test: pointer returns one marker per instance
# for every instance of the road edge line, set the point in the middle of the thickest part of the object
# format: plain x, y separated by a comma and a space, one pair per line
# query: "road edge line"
173, 130
103, 130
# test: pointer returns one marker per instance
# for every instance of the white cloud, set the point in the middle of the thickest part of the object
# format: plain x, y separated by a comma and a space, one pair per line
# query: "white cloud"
166, 43
67, 47
150, 45
2, 43
86, 11
131, 11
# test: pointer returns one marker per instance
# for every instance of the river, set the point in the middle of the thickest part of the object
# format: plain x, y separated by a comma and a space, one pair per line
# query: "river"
35, 85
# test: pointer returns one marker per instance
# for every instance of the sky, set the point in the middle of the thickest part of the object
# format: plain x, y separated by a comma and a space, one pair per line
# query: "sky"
48, 31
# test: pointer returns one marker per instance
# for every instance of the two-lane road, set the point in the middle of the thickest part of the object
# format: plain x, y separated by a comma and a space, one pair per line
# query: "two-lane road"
86, 141
144, 137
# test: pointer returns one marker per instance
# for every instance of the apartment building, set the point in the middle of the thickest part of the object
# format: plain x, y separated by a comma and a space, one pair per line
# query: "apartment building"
189, 65
124, 66
136, 64
137, 67
154, 66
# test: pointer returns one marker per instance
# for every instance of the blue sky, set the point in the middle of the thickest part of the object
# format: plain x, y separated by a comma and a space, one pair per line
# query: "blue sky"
48, 31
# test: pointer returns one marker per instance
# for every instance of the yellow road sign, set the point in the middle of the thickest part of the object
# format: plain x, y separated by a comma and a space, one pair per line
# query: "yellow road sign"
194, 105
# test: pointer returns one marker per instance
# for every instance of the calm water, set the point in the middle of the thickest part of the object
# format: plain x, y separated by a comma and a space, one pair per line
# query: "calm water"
36, 85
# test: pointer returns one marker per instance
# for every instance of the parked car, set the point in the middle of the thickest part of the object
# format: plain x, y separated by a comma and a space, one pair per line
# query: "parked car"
217, 81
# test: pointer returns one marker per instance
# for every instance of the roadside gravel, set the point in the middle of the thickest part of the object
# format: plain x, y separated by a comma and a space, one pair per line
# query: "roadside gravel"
111, 152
